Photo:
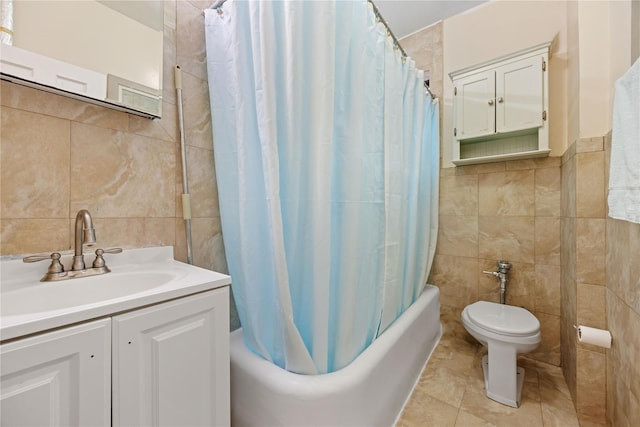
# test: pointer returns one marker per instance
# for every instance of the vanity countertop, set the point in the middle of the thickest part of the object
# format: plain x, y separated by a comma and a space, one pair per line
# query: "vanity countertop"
138, 277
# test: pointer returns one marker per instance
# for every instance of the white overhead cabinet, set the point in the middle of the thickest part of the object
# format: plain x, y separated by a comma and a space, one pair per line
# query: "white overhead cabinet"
500, 108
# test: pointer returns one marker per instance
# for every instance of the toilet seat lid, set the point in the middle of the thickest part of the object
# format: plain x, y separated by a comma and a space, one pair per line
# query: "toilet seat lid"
503, 319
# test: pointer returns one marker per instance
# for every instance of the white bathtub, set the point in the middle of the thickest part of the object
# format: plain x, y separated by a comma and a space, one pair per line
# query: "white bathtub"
371, 391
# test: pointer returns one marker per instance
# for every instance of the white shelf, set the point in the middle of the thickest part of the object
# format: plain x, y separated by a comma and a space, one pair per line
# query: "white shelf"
502, 157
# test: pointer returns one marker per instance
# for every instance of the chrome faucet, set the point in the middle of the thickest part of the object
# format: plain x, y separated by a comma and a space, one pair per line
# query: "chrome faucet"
85, 234
503, 275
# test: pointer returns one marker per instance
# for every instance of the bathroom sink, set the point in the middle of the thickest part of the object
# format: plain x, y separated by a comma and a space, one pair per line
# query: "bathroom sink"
51, 296
138, 277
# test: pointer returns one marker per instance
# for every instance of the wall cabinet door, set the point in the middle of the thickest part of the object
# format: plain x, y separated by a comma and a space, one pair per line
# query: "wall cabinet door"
519, 95
475, 105
61, 378
171, 363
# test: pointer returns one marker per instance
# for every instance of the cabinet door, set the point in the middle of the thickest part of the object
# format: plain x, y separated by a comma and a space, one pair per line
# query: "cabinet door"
475, 105
61, 378
519, 95
171, 363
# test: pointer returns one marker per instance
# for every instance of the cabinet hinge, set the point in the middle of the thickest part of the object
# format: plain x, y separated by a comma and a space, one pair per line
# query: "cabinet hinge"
455, 131
544, 115
455, 91
544, 65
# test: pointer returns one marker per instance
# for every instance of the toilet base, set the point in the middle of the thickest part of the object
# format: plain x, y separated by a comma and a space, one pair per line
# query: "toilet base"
503, 399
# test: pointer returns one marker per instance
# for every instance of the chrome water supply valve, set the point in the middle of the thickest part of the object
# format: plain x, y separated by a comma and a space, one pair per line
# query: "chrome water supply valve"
503, 276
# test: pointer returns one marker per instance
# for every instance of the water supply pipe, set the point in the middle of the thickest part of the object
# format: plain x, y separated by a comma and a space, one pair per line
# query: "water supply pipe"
503, 275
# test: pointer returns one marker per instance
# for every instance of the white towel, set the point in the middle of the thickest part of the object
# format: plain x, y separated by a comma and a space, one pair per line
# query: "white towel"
624, 171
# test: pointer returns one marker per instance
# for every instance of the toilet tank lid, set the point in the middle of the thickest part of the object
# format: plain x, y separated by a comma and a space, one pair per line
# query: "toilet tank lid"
503, 319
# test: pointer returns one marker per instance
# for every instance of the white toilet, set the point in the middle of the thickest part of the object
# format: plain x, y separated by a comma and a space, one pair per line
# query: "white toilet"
507, 331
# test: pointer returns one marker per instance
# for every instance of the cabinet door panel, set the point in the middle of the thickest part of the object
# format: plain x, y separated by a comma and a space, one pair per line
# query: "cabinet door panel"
475, 105
519, 92
171, 363
60, 378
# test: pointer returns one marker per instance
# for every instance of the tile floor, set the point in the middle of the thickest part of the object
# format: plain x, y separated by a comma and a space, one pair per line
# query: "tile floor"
450, 391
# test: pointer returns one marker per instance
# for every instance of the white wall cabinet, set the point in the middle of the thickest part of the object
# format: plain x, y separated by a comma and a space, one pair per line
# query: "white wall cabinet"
60, 378
163, 365
500, 108
171, 363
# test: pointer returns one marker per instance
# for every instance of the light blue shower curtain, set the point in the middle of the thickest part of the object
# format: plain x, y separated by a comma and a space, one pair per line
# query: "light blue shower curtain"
326, 157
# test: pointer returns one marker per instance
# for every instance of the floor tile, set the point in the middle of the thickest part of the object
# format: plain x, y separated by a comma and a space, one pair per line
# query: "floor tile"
450, 391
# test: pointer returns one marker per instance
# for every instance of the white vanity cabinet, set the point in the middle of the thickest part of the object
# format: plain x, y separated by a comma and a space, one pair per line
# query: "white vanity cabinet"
60, 378
171, 363
500, 108
161, 365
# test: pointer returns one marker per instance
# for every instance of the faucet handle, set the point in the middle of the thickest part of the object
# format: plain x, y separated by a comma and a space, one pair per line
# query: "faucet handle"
55, 266
491, 273
99, 261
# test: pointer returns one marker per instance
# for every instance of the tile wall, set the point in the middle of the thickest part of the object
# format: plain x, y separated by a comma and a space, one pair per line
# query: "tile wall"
503, 211
583, 275
623, 317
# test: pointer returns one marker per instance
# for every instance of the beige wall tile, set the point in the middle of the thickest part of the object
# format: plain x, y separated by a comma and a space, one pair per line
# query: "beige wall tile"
33, 235
590, 190
35, 165
197, 112
208, 248
190, 46
539, 163
591, 385
568, 247
569, 154
590, 251
568, 353
458, 235
547, 240
129, 232
480, 169
165, 128
547, 192
624, 354
591, 306
508, 238
457, 278
586, 145
568, 188
506, 193
622, 261
547, 289
459, 195
135, 176
549, 350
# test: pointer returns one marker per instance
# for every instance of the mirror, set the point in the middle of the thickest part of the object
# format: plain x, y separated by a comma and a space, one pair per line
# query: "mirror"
104, 51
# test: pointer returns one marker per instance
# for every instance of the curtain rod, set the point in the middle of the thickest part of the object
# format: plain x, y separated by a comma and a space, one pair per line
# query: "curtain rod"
384, 22
218, 4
